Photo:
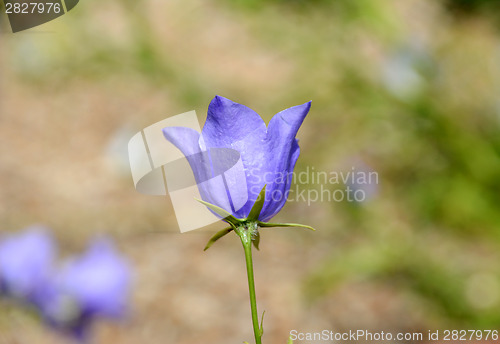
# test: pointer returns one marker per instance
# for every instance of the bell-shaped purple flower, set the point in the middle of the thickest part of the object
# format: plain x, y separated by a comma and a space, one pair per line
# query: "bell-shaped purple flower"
96, 284
25, 263
236, 144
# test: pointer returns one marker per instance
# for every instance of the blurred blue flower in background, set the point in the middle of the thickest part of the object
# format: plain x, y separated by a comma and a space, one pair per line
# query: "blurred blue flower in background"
68, 297
26, 261
96, 284
268, 155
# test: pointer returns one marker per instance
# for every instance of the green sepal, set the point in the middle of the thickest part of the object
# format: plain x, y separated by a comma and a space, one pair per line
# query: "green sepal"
256, 240
233, 221
261, 327
267, 224
217, 236
289, 341
257, 206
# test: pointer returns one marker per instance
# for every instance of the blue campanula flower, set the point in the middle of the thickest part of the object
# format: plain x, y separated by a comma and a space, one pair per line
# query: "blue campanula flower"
96, 284
268, 156
25, 263
243, 170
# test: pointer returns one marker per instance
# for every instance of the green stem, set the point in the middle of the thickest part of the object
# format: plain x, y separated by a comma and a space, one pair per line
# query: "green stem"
246, 233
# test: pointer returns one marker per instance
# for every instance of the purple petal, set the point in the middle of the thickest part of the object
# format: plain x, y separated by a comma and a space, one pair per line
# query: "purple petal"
279, 193
229, 122
204, 164
235, 126
283, 153
185, 139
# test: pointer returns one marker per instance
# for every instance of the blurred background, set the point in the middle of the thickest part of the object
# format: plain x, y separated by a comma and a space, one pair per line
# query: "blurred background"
409, 89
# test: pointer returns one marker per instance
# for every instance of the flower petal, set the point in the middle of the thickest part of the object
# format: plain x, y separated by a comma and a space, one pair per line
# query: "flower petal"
186, 139
206, 165
232, 125
229, 122
283, 153
281, 186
